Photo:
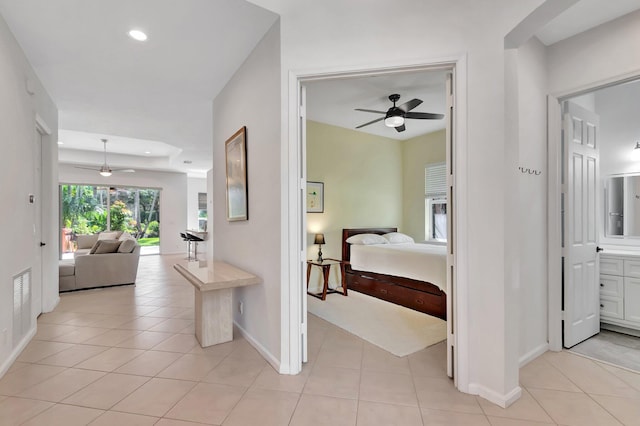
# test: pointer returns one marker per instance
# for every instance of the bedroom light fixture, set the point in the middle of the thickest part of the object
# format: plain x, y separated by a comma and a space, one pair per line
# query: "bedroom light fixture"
138, 35
105, 173
319, 240
394, 118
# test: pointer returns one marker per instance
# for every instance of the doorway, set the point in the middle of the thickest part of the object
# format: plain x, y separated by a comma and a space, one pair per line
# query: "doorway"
296, 325
609, 289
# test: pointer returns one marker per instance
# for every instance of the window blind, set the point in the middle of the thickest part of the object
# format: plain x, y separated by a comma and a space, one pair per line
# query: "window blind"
435, 180
202, 200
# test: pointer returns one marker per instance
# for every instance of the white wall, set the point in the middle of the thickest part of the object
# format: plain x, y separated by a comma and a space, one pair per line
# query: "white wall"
18, 110
173, 198
194, 186
252, 99
532, 192
337, 35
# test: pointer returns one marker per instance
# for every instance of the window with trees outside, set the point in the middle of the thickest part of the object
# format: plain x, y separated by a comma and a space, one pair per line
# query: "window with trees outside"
90, 209
435, 199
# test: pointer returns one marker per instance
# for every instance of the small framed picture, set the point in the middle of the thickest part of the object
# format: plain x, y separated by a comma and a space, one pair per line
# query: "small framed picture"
237, 191
315, 197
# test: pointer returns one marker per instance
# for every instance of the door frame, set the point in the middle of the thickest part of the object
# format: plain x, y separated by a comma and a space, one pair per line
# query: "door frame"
554, 190
293, 249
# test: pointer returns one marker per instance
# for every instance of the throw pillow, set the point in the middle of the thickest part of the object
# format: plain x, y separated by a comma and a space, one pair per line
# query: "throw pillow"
125, 236
95, 247
127, 246
107, 246
107, 236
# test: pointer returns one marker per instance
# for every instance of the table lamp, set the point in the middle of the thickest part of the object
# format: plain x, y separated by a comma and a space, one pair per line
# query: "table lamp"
319, 241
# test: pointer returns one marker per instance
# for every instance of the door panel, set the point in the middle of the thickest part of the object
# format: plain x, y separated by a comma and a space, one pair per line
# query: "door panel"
581, 280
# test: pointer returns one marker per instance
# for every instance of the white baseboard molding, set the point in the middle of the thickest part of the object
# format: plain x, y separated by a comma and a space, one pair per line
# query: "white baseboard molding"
533, 354
501, 400
275, 362
6, 365
50, 308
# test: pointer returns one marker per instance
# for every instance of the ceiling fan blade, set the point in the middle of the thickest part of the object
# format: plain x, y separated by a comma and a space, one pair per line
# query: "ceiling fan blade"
123, 170
97, 169
370, 110
408, 106
400, 128
371, 122
424, 115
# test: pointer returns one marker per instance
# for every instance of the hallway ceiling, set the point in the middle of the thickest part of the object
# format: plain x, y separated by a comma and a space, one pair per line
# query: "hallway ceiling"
161, 90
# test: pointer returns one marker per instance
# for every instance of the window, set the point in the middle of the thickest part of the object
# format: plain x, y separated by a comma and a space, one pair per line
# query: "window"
435, 202
202, 211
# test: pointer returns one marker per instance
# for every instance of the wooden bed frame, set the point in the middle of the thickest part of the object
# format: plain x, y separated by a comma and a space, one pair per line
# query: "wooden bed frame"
421, 296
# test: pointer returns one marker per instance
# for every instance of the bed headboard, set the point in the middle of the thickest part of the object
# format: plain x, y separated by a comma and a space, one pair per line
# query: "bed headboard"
348, 232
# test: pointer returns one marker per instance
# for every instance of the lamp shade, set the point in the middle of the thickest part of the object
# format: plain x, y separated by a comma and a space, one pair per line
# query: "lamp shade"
319, 239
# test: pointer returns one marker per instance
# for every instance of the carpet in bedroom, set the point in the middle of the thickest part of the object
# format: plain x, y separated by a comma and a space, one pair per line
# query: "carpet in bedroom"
394, 328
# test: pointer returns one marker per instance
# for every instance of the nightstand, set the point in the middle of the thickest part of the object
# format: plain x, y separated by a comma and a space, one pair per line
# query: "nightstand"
326, 265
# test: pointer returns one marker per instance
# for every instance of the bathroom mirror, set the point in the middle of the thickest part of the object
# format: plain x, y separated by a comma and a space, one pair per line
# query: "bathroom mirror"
622, 206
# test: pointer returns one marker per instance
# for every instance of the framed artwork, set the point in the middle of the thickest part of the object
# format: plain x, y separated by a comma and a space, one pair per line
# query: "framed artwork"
315, 197
235, 149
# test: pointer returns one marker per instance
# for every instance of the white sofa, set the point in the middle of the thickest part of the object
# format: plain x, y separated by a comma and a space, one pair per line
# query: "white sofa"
98, 270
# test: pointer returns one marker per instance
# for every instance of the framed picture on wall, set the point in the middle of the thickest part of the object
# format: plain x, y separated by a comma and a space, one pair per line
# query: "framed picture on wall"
315, 197
237, 190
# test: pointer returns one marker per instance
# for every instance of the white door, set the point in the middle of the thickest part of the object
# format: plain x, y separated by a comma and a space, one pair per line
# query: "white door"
580, 225
36, 284
450, 231
303, 220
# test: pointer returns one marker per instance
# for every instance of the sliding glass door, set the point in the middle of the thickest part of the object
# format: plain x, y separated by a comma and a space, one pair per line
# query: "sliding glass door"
90, 209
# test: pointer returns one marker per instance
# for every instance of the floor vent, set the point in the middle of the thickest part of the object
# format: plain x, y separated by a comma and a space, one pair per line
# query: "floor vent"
21, 305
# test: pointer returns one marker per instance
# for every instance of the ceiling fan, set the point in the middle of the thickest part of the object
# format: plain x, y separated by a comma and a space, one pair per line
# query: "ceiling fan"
395, 116
105, 170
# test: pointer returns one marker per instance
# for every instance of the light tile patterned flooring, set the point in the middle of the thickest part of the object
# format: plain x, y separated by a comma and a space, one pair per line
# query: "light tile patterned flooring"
127, 356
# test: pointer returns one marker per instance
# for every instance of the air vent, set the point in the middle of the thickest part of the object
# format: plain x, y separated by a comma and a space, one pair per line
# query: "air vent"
21, 305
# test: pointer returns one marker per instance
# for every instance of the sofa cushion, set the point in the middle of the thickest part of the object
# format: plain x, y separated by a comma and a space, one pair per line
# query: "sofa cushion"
127, 246
86, 241
105, 246
108, 236
67, 268
126, 236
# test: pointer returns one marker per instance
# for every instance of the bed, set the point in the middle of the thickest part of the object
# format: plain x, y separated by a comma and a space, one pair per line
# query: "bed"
414, 291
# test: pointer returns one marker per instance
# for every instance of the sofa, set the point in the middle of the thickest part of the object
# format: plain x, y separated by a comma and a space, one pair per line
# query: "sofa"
107, 262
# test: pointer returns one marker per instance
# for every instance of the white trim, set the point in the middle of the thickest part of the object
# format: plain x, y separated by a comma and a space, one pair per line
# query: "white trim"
271, 359
6, 365
50, 307
533, 354
41, 125
292, 198
499, 399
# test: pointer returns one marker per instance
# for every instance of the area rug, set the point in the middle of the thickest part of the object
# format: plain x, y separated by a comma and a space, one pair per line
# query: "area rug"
394, 328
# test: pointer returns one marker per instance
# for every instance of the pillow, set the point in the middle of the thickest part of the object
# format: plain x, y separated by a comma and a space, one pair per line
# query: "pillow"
398, 238
105, 246
126, 236
366, 239
107, 236
127, 246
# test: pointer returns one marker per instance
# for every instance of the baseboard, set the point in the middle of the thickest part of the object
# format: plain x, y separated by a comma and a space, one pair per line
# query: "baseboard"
499, 399
53, 305
533, 354
6, 365
275, 362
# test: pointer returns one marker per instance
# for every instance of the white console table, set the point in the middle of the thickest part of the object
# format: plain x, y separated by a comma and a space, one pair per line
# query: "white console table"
214, 283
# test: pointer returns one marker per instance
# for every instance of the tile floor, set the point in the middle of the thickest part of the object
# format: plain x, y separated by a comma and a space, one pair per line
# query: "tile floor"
614, 348
127, 356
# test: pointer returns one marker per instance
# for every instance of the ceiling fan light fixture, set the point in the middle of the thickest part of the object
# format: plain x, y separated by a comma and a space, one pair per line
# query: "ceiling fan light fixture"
105, 173
394, 120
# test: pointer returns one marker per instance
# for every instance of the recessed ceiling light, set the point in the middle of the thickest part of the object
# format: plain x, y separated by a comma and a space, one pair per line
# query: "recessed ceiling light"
137, 35
60, 143
147, 152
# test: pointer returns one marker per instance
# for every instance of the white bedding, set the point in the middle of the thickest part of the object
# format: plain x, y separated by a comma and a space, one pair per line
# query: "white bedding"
423, 262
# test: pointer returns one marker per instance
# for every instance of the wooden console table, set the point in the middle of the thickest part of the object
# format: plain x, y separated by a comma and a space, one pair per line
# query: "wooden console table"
214, 283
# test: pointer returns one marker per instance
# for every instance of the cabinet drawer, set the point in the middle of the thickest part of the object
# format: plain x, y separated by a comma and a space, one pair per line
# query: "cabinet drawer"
611, 307
632, 268
632, 299
611, 285
611, 266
